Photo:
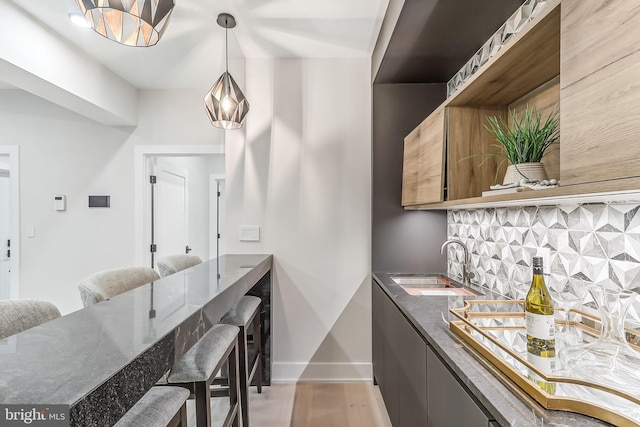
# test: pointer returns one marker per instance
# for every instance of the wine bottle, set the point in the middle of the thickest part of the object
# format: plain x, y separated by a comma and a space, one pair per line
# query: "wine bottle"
540, 326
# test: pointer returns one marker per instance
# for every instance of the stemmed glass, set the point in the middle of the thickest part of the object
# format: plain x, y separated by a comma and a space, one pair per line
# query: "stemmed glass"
566, 293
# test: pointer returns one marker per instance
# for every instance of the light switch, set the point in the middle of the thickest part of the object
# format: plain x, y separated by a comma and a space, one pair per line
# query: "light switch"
31, 231
60, 202
249, 233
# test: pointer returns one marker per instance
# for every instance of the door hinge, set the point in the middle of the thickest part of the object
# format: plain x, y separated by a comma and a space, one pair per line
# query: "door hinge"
152, 179
219, 235
218, 194
153, 248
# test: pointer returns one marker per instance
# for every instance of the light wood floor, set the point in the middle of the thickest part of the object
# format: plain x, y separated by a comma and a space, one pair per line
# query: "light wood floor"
311, 405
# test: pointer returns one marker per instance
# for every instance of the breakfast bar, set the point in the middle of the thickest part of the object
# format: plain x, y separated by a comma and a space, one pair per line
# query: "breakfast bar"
102, 359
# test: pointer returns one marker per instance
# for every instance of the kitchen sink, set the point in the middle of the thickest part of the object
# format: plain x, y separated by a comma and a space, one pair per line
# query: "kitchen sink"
425, 281
433, 285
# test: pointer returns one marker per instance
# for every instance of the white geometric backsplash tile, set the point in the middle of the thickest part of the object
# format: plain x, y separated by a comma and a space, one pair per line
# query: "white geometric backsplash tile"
592, 242
514, 24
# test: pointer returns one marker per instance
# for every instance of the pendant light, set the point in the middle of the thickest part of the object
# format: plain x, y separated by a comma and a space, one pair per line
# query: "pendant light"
128, 22
225, 103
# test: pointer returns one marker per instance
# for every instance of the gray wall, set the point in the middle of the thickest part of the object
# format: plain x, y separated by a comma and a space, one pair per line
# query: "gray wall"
402, 241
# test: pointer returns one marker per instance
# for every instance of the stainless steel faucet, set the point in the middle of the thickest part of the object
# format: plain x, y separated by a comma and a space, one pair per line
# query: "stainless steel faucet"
466, 274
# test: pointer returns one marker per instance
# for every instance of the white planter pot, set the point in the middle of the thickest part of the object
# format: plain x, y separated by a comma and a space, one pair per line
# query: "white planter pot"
531, 171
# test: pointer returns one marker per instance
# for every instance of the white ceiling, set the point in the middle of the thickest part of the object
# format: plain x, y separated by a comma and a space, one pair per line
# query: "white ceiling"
191, 51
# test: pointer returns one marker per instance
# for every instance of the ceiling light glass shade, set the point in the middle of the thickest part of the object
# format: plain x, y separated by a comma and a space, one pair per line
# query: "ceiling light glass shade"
225, 103
128, 22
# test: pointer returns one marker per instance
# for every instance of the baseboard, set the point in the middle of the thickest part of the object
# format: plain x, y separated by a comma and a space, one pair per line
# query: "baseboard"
321, 372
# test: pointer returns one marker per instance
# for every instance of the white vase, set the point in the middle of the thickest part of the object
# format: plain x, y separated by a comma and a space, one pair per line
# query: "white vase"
530, 171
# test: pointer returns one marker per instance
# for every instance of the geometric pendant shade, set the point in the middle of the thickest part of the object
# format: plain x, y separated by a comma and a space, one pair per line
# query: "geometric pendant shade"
225, 103
128, 22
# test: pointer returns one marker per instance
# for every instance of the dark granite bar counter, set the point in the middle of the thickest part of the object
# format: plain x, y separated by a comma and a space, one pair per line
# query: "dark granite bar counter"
426, 314
103, 358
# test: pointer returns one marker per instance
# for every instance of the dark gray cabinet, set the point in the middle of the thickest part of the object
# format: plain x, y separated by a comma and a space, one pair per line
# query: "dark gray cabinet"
377, 339
417, 388
449, 403
399, 363
412, 375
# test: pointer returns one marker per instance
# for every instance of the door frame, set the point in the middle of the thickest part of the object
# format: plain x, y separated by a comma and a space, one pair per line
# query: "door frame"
13, 151
142, 193
214, 203
167, 166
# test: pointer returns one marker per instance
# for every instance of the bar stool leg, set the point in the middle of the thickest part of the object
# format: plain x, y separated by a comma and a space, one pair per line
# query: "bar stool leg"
183, 416
242, 376
203, 404
234, 387
257, 345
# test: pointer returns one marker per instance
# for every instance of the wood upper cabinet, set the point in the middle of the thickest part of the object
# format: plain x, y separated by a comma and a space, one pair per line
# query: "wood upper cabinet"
521, 72
423, 165
599, 90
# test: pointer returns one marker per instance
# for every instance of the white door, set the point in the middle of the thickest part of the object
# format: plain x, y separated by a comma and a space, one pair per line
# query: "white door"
171, 210
5, 235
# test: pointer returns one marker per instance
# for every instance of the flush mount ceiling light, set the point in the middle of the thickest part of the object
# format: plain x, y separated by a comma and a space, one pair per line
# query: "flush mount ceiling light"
128, 22
225, 103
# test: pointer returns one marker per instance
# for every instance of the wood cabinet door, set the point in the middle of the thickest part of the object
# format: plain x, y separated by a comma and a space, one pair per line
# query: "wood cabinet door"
599, 90
423, 165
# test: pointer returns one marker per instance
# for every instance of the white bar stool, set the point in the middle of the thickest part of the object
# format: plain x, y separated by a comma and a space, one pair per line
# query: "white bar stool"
243, 315
198, 367
160, 406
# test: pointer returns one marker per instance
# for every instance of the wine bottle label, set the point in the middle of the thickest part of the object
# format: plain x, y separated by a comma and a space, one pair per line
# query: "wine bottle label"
546, 364
540, 326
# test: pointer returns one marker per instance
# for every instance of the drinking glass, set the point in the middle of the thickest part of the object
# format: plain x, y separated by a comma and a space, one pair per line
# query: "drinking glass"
609, 358
566, 292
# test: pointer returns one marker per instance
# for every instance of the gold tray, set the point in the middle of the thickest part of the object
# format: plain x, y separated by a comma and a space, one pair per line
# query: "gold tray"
495, 329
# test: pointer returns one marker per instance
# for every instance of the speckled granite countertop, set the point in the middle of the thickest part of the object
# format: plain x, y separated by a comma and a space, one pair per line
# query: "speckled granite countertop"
426, 314
101, 359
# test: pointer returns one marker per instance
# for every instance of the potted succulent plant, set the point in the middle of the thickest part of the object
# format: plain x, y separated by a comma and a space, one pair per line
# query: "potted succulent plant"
525, 143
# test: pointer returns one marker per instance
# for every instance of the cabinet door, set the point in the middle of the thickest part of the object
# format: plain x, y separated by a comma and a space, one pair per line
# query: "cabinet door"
423, 165
599, 90
412, 372
377, 339
449, 403
399, 363
391, 363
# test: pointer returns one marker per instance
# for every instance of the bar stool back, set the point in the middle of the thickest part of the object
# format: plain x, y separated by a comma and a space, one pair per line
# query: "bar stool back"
19, 315
198, 367
173, 263
107, 284
160, 406
243, 315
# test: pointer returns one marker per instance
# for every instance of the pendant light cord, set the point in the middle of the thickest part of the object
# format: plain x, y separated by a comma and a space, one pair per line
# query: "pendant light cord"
226, 46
